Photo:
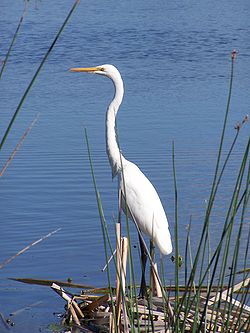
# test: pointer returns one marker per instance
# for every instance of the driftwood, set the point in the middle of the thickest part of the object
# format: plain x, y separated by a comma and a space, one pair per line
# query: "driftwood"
87, 289
111, 310
149, 316
110, 314
88, 311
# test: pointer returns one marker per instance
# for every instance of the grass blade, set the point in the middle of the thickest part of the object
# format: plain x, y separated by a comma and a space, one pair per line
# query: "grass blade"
36, 74
176, 242
13, 39
216, 181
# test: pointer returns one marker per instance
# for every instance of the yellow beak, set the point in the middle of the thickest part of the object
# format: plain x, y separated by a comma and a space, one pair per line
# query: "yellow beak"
85, 69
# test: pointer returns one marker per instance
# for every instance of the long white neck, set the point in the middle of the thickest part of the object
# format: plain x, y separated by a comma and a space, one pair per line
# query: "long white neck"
112, 148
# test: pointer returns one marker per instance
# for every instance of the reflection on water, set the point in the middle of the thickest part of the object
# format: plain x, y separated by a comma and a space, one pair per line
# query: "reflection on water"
174, 59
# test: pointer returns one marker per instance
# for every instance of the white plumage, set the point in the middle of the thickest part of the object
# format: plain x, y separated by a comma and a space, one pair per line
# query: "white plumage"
145, 205
140, 195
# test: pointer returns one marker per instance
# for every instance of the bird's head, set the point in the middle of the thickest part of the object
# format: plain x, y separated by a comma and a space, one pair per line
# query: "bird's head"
106, 70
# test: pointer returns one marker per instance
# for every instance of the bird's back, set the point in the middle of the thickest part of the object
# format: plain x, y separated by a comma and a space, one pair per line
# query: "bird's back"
145, 206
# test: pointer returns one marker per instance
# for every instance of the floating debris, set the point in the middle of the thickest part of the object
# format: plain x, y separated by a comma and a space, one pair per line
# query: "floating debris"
98, 313
117, 310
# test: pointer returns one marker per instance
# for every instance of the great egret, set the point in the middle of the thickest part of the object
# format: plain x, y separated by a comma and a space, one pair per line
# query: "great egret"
143, 203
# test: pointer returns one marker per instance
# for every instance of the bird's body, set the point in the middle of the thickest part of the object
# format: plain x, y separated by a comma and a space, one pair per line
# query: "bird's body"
143, 203
145, 206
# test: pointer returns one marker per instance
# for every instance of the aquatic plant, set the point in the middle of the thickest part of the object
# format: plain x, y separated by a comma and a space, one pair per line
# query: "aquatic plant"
206, 302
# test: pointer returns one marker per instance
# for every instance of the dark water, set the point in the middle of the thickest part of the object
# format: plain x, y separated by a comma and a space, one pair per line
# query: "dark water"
175, 61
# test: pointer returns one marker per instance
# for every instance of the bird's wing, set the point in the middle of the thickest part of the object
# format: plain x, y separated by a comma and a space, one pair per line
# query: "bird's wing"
145, 206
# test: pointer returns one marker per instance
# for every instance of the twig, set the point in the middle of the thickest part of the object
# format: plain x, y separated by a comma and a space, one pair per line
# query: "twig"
28, 307
111, 257
27, 248
18, 145
75, 308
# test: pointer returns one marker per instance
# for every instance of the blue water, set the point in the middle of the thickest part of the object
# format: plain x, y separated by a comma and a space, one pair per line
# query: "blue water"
174, 58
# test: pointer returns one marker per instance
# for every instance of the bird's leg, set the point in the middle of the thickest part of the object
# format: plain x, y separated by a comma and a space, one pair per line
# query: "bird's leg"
144, 257
119, 205
152, 250
152, 256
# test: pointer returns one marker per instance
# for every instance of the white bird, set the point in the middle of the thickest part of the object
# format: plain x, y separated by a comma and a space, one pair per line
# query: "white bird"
143, 203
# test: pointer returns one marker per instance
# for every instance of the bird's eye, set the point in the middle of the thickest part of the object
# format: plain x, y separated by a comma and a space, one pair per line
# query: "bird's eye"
101, 69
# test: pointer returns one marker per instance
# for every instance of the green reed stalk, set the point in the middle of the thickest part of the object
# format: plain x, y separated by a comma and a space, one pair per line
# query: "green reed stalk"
129, 213
208, 274
163, 279
217, 252
176, 241
13, 39
237, 245
198, 291
216, 182
187, 252
107, 243
232, 210
36, 73
103, 221
132, 289
226, 162
244, 297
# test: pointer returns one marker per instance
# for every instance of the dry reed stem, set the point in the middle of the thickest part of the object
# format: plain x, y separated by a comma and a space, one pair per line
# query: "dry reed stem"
123, 280
28, 307
111, 257
124, 262
118, 274
96, 303
73, 313
156, 288
112, 324
229, 291
118, 258
102, 316
7, 261
60, 291
121, 274
20, 142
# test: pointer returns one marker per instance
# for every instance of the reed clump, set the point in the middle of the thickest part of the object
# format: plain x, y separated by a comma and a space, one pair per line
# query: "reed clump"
210, 300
